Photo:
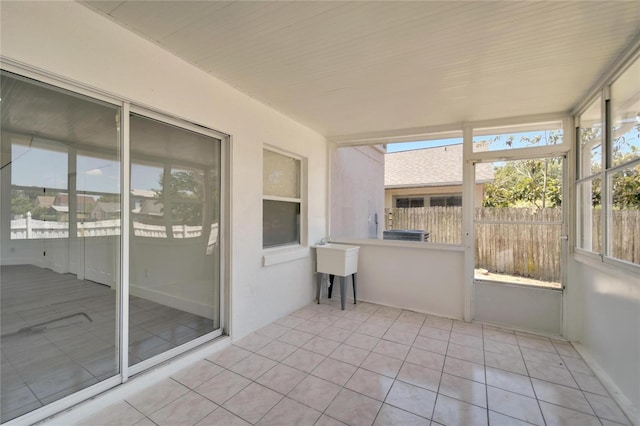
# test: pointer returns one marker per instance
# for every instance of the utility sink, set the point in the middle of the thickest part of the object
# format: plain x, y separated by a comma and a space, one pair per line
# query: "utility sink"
337, 259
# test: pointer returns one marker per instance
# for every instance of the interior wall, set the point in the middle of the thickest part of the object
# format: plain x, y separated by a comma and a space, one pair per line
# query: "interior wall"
357, 192
87, 48
420, 279
609, 324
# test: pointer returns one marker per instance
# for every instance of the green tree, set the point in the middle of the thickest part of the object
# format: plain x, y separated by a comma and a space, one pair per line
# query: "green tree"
184, 196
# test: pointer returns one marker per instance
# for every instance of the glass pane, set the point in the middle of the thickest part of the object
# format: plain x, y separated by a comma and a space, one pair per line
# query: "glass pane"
519, 223
281, 175
58, 293
624, 219
589, 215
625, 116
174, 266
98, 206
590, 154
431, 172
280, 223
513, 137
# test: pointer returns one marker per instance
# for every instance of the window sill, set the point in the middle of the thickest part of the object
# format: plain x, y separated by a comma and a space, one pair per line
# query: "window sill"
283, 255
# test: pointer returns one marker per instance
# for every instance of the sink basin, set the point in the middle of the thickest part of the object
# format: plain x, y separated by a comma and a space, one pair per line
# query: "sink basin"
337, 259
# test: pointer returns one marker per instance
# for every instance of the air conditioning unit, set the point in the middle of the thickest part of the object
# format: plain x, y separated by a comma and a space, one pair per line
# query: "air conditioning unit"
406, 235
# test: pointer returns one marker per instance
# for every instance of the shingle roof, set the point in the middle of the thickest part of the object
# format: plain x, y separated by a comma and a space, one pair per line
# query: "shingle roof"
437, 166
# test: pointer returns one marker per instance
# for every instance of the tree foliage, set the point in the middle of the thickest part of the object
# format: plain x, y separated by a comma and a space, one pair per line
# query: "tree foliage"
184, 195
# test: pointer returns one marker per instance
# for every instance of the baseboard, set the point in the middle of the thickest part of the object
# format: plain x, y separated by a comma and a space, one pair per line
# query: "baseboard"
173, 301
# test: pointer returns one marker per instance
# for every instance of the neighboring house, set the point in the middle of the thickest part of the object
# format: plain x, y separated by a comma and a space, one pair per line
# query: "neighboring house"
44, 201
430, 177
85, 204
105, 211
144, 203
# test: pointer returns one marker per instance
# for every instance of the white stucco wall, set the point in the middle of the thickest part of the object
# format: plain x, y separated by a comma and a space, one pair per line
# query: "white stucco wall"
68, 40
609, 325
357, 192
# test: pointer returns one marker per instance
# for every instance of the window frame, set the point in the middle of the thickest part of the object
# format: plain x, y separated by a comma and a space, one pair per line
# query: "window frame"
301, 201
608, 169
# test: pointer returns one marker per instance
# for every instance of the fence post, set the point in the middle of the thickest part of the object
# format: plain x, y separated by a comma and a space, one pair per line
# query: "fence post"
29, 225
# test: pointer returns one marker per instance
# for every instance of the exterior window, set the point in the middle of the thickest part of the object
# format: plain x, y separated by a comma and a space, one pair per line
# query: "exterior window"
447, 201
406, 203
622, 175
282, 199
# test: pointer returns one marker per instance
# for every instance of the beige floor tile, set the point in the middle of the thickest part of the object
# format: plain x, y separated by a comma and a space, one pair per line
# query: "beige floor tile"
349, 354
590, 383
405, 327
431, 345
388, 312
163, 393
253, 342
290, 412
348, 324
542, 357
277, 350
426, 359
373, 330
281, 378
222, 417
411, 398
312, 327
463, 389
381, 321
335, 333
371, 384
412, 317
560, 416
576, 365
565, 349
466, 340
229, 356
400, 337
514, 405
314, 392
382, 364
325, 420
434, 333
497, 419
145, 422
420, 376
253, 402
502, 336
562, 396
466, 353
438, 322
549, 373
296, 337
253, 366
303, 360
452, 412
223, 386
120, 413
321, 346
390, 415
196, 374
334, 371
362, 341
466, 328
510, 381
289, 321
392, 349
502, 348
188, 409
464, 369
504, 362
606, 408
353, 408
273, 331
535, 342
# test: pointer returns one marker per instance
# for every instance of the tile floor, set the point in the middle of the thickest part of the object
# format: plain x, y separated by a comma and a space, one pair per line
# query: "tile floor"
378, 365
64, 356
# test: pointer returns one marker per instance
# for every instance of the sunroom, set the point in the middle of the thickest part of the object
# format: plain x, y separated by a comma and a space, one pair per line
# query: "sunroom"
168, 169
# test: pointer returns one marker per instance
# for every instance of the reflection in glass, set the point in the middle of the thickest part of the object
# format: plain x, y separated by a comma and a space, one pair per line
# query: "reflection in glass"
58, 293
590, 150
513, 137
625, 116
280, 223
175, 255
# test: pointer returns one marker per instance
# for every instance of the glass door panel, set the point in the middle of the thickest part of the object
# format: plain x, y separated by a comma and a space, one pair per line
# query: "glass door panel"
58, 328
174, 250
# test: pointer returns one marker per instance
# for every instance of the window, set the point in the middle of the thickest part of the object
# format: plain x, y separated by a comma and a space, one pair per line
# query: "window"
282, 199
608, 184
407, 203
446, 201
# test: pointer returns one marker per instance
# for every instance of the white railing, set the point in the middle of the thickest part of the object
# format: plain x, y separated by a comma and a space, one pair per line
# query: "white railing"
28, 229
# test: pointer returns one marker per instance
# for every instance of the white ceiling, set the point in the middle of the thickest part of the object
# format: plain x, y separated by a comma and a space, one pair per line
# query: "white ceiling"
356, 67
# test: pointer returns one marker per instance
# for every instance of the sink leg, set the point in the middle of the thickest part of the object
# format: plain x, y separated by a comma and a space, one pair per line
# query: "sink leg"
354, 288
318, 285
330, 289
343, 291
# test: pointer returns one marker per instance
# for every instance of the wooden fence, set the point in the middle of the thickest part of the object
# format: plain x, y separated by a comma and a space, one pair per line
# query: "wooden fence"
530, 247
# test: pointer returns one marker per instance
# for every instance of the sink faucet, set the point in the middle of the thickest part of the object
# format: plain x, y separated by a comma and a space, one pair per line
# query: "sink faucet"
323, 241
